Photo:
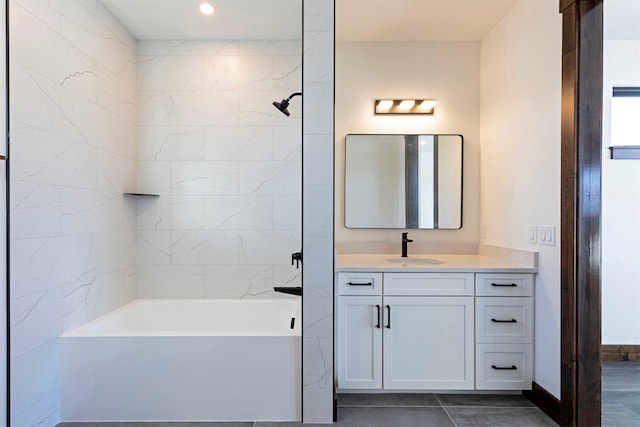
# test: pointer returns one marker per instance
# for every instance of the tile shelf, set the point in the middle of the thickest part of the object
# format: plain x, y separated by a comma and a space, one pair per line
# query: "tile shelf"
141, 194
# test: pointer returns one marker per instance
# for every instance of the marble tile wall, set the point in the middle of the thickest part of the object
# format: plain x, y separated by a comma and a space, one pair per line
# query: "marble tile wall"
226, 164
318, 211
73, 152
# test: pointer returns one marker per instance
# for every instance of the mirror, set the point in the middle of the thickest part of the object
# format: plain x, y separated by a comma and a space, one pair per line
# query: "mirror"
403, 181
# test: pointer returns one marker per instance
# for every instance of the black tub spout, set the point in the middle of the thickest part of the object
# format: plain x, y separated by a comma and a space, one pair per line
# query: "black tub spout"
291, 290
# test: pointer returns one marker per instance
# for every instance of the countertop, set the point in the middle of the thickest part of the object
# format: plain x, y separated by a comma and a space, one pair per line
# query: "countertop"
450, 264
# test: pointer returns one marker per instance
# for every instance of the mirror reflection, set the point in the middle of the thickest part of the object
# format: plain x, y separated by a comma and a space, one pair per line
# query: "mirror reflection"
403, 181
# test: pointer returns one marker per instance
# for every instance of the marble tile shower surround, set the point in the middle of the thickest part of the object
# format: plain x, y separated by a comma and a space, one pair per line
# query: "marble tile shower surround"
73, 152
226, 164
318, 210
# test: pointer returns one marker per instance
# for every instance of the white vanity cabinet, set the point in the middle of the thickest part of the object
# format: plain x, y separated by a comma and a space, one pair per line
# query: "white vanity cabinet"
417, 333
434, 331
504, 331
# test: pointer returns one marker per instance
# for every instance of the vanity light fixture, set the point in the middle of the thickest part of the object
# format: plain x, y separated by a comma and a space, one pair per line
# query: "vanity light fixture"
206, 8
404, 106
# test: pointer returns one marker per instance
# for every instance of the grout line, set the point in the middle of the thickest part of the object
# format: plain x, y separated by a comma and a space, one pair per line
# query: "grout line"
490, 407
445, 410
389, 406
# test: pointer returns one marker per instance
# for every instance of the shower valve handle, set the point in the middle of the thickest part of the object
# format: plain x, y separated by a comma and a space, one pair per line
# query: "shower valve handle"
297, 257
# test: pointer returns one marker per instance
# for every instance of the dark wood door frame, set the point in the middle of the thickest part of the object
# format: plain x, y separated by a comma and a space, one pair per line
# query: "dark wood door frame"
582, 65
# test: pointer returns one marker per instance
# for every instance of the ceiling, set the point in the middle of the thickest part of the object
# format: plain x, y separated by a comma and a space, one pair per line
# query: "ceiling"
232, 20
356, 20
418, 20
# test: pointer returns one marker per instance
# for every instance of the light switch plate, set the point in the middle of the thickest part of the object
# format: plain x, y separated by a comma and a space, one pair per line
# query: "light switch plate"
532, 234
547, 235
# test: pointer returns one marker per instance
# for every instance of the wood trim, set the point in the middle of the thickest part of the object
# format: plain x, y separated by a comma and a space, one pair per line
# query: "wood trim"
620, 352
547, 402
581, 131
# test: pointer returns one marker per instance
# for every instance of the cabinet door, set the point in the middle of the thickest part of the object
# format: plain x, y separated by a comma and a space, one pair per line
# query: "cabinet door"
359, 346
428, 343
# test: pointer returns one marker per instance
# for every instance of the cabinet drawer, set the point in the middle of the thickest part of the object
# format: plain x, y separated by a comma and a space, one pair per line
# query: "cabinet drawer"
518, 285
504, 320
359, 283
450, 284
503, 366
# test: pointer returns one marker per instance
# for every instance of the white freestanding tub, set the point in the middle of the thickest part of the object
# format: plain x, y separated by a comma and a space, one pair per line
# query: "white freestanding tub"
185, 360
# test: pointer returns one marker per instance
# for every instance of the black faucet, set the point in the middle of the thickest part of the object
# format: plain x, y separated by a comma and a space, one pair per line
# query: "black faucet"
405, 240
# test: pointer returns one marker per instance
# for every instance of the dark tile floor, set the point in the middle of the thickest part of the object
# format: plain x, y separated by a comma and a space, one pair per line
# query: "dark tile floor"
621, 394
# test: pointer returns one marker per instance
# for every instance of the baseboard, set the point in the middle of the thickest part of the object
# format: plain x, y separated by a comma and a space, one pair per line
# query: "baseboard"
544, 400
620, 352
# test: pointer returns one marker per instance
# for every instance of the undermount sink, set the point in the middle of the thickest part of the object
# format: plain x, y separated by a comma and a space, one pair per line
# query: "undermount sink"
413, 260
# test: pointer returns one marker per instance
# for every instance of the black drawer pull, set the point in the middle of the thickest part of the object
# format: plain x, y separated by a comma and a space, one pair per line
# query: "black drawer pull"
505, 368
504, 321
378, 308
505, 285
360, 284
389, 317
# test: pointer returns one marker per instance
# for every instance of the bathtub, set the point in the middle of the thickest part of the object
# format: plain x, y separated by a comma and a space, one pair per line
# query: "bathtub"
185, 360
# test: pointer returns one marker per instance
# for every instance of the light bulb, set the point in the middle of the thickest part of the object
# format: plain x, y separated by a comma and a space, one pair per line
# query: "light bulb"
428, 104
206, 8
385, 104
406, 104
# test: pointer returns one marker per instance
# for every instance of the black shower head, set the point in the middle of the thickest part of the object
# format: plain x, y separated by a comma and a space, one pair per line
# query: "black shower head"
282, 105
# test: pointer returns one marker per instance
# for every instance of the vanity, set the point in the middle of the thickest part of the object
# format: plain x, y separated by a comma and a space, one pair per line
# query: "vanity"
433, 322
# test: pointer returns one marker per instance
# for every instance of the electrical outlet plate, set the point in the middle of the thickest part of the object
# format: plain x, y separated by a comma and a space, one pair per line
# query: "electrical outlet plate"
483, 231
532, 234
547, 235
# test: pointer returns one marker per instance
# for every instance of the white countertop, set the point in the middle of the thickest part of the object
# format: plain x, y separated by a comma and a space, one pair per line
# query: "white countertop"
450, 263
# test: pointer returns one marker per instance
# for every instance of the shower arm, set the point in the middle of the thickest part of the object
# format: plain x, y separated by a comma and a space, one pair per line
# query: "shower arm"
294, 94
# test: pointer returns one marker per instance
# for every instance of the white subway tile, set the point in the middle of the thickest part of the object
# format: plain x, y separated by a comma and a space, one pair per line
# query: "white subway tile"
205, 247
238, 281
239, 143
35, 320
204, 178
171, 143
268, 247
36, 210
171, 281
154, 247
270, 178
239, 213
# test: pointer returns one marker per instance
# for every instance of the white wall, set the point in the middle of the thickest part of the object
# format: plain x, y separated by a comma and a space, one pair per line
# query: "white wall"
620, 205
520, 156
73, 115
227, 166
447, 72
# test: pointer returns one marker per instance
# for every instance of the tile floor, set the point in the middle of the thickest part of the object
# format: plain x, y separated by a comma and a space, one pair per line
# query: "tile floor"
621, 394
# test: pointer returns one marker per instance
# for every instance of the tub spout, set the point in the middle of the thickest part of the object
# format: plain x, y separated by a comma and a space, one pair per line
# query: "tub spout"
291, 290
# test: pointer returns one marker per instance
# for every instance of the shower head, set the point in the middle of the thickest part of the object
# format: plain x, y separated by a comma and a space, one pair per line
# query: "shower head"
282, 105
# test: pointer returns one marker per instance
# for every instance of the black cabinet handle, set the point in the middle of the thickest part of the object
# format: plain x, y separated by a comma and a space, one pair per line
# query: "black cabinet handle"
378, 308
360, 284
505, 368
389, 317
503, 285
504, 321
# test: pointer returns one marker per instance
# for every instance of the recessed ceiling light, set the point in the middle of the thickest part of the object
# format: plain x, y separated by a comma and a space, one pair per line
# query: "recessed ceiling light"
206, 8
